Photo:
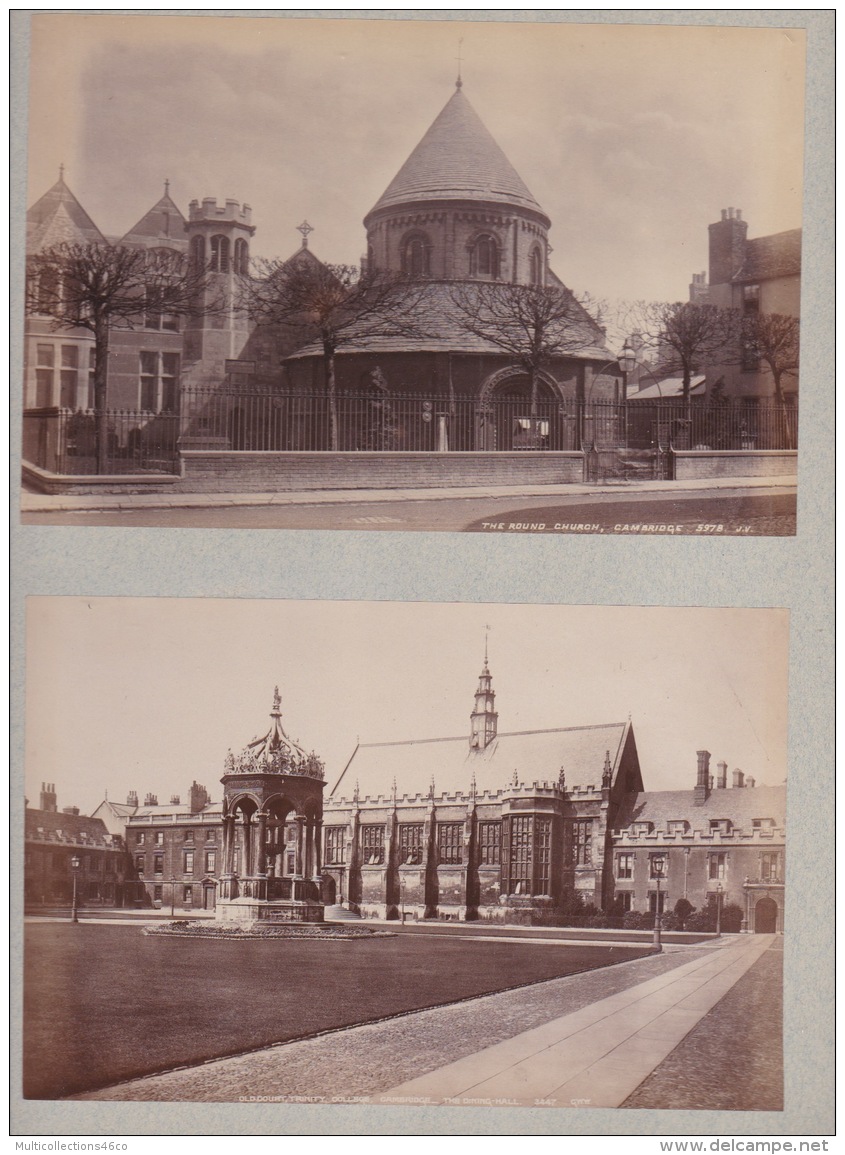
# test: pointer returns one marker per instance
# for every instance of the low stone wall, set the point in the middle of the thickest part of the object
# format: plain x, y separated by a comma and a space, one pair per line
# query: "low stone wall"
694, 464
215, 471
43, 481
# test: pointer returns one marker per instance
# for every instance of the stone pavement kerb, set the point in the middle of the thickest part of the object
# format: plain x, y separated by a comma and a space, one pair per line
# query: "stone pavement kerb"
596, 1056
49, 503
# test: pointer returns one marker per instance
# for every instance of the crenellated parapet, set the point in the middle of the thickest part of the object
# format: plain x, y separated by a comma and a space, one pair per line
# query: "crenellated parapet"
733, 837
209, 210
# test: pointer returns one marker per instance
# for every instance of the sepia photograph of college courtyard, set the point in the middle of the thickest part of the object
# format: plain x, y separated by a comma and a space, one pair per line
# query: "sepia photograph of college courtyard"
400, 275
392, 853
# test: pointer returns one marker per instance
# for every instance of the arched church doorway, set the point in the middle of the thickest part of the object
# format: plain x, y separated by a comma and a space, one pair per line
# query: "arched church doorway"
511, 418
765, 916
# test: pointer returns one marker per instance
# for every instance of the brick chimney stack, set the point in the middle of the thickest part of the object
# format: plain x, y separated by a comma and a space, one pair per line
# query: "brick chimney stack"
151, 800
175, 800
132, 798
727, 246
738, 779
48, 796
702, 785
722, 776
197, 798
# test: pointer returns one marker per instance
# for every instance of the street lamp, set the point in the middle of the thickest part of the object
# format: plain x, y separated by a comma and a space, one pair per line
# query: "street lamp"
74, 865
627, 361
657, 865
172, 896
718, 910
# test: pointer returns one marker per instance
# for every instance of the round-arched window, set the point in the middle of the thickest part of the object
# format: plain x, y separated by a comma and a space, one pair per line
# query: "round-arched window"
198, 251
536, 266
484, 257
416, 256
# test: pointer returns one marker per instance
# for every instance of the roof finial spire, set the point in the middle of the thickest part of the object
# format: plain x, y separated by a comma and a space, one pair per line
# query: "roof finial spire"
277, 703
62, 171
166, 187
305, 229
459, 83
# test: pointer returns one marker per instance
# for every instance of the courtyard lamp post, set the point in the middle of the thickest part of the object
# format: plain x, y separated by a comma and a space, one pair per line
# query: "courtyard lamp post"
74, 865
626, 362
657, 865
172, 896
719, 910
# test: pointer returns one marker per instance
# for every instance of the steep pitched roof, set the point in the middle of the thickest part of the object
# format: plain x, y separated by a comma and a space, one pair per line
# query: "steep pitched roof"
778, 255
457, 159
164, 222
741, 806
536, 756
59, 218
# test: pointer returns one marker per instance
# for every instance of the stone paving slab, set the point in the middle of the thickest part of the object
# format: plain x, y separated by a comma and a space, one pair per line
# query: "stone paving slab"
600, 1057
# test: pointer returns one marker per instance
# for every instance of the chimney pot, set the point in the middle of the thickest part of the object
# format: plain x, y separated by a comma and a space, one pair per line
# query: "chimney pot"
738, 779
724, 214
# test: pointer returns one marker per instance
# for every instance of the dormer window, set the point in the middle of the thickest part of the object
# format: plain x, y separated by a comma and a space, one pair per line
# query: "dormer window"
678, 826
720, 825
640, 828
484, 257
762, 823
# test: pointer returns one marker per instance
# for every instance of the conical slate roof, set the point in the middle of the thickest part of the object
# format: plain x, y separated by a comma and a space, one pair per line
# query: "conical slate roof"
59, 218
457, 159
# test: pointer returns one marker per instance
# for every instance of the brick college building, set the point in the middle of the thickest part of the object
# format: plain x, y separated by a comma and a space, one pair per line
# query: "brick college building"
469, 827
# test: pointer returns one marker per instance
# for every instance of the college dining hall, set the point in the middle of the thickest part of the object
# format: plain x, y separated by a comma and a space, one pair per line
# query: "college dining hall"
490, 825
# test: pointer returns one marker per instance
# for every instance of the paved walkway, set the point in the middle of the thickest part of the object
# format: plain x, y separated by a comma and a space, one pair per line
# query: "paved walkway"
598, 1055
46, 503
622, 1022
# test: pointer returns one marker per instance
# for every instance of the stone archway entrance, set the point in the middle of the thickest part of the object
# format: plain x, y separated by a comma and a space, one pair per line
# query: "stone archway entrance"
765, 916
507, 420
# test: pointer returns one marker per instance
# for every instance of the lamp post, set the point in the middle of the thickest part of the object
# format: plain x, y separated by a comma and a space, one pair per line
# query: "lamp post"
657, 866
74, 865
719, 910
402, 895
172, 896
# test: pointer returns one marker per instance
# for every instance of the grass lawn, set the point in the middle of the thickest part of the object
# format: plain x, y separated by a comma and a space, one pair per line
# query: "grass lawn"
105, 1003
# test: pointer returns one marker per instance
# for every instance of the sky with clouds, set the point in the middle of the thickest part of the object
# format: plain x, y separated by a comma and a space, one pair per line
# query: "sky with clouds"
150, 693
632, 138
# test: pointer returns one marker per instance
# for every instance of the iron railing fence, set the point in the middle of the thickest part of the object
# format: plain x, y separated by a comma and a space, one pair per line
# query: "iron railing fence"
66, 441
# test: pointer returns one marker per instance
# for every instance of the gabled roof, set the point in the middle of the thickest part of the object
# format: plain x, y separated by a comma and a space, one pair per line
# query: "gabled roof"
535, 755
457, 159
670, 387
778, 255
59, 218
439, 330
741, 806
164, 223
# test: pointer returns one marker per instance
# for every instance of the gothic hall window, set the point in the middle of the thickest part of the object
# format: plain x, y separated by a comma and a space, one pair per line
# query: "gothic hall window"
484, 257
528, 855
489, 834
450, 842
581, 842
410, 844
334, 840
536, 267
372, 845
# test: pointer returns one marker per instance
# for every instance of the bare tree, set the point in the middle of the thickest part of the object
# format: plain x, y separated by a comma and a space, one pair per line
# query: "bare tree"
685, 336
774, 339
335, 305
100, 286
532, 324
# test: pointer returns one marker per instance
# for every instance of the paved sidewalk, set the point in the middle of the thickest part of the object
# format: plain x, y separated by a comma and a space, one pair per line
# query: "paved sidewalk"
598, 1055
621, 1023
50, 503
